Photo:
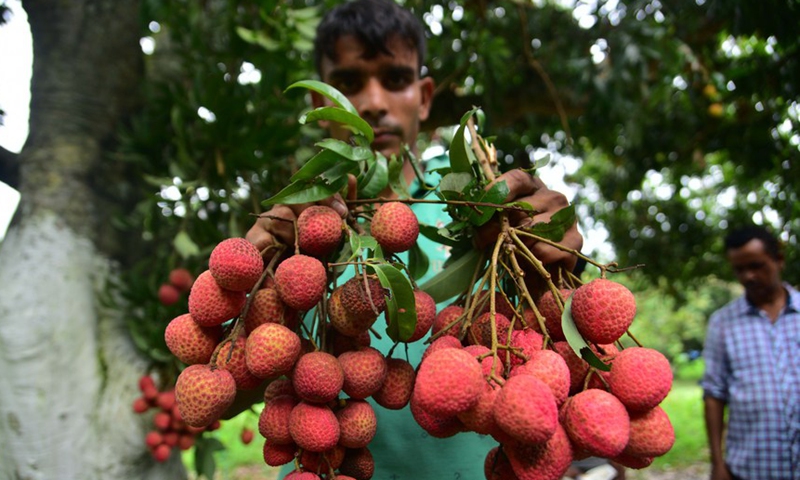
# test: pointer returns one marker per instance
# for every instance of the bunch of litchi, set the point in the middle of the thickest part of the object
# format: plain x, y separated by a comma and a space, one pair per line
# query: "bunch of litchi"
169, 431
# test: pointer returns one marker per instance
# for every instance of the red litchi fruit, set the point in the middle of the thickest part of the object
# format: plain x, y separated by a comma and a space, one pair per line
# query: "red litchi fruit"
344, 322
480, 332
596, 378
341, 343
358, 464
480, 418
364, 372
168, 295
190, 342
236, 363
497, 467
543, 461
236, 264
549, 367
271, 350
490, 365
203, 394
652, 434
181, 279
146, 382
577, 366
603, 310
300, 281
445, 341
551, 311
357, 424
501, 305
526, 409
161, 453
528, 341
153, 439
640, 377
246, 436
273, 422
162, 421
314, 427
395, 227
141, 405
597, 422
186, 441
449, 381
437, 426
276, 455
363, 300
319, 230
171, 438
448, 316
210, 304
166, 400
635, 463
297, 475
317, 377
323, 461
267, 307
396, 390
279, 386
426, 313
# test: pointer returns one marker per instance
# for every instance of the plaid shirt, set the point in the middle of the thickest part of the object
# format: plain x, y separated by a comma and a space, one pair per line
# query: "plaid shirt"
753, 365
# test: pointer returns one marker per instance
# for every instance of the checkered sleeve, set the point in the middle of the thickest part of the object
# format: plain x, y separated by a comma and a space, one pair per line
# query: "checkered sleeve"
717, 366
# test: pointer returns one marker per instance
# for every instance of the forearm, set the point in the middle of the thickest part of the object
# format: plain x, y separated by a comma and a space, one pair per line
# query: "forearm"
715, 425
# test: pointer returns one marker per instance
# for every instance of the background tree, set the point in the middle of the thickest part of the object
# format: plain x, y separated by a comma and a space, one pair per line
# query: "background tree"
684, 116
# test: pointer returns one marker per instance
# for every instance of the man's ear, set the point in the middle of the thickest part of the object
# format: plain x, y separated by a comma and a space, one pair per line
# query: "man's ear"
317, 101
426, 87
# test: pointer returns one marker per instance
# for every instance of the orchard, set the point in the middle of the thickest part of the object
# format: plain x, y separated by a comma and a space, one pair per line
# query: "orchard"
536, 363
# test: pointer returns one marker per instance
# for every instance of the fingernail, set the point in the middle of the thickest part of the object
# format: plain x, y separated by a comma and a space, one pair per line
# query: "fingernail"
340, 208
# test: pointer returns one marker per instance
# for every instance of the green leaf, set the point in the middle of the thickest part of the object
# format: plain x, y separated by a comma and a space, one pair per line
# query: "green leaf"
559, 223
326, 91
479, 215
454, 279
456, 182
184, 245
401, 309
396, 179
346, 150
418, 262
576, 340
438, 235
460, 154
376, 179
347, 119
304, 192
204, 462
316, 165
257, 38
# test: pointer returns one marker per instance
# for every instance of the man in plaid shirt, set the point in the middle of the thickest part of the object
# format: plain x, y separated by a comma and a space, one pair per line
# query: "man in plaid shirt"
752, 361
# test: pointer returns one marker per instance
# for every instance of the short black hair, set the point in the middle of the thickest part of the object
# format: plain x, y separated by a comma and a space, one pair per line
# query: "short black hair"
373, 23
740, 236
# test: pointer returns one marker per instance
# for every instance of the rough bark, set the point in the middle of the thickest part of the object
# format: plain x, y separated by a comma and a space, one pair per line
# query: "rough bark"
70, 371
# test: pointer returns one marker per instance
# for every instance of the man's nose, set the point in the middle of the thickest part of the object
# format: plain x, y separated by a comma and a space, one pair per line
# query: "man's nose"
372, 100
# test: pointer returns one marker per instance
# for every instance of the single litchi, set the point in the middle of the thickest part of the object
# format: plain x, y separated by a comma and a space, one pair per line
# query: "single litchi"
266, 306
551, 311
271, 350
603, 310
549, 367
181, 279
480, 332
203, 394
342, 343
577, 366
276, 455
277, 387
323, 461
168, 295
630, 461
166, 400
314, 427
395, 227
161, 453
363, 298
141, 405
480, 417
640, 377
236, 264
597, 422
319, 230
358, 464
317, 377
526, 409
357, 424
246, 436
190, 342
396, 390
273, 422
448, 382
346, 323
437, 426
497, 467
210, 304
426, 313
300, 281
652, 434
490, 365
448, 317
445, 341
231, 357
364, 372
527, 341
544, 461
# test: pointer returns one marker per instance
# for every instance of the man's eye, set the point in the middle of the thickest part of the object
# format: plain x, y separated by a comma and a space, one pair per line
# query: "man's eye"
347, 86
395, 83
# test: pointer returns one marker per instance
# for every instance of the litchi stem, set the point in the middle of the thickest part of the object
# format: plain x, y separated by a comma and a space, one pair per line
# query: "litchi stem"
493, 287
537, 264
527, 296
638, 343
464, 203
477, 147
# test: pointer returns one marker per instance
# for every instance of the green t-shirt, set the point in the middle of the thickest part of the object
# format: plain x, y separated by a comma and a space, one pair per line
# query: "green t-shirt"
402, 450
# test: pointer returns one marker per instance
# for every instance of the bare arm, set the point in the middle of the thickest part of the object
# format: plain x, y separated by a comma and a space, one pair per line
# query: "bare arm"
715, 425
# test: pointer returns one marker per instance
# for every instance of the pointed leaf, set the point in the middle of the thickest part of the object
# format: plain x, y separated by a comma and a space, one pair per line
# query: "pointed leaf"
454, 279
317, 164
460, 158
576, 340
347, 119
185, 245
326, 91
418, 262
559, 223
401, 310
346, 150
376, 179
304, 192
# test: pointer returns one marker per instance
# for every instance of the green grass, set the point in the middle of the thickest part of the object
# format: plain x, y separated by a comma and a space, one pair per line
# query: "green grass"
684, 405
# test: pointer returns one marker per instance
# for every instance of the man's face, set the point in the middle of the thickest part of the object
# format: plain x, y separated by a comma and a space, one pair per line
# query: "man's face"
386, 90
757, 271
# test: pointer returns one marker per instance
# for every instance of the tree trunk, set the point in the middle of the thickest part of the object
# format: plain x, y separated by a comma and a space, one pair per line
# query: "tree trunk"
70, 371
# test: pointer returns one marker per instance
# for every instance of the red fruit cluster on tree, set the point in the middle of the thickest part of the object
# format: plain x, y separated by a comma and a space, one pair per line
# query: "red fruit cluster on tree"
180, 281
